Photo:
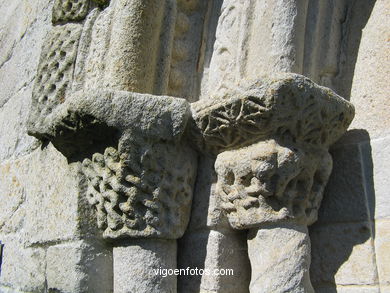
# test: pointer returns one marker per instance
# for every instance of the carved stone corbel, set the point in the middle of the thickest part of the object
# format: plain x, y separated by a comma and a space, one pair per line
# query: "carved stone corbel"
271, 139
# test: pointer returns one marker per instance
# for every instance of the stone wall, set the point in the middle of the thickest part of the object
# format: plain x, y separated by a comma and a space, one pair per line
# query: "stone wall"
49, 234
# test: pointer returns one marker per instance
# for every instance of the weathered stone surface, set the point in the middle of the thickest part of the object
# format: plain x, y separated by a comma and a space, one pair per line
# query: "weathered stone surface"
23, 26
377, 167
41, 195
227, 253
287, 106
349, 289
146, 192
137, 266
69, 10
192, 241
91, 75
370, 88
16, 143
342, 254
280, 259
22, 269
140, 42
152, 116
186, 52
142, 186
55, 70
79, 267
345, 195
255, 38
267, 182
382, 250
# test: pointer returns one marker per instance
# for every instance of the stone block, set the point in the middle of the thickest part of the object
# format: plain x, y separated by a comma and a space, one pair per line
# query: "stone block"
370, 87
22, 269
378, 176
52, 193
142, 266
16, 142
23, 26
348, 289
12, 195
385, 289
40, 192
382, 249
226, 251
344, 197
342, 254
280, 259
79, 267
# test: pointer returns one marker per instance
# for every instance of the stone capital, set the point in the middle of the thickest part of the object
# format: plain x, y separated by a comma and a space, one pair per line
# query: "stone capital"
271, 140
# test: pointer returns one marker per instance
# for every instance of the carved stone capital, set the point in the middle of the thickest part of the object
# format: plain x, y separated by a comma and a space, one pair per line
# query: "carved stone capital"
271, 139
143, 190
139, 171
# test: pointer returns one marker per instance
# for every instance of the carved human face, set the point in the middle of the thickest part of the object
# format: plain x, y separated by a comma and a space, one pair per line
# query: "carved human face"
267, 182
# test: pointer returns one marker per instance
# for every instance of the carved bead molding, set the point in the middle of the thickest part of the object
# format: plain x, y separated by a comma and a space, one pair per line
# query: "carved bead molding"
271, 139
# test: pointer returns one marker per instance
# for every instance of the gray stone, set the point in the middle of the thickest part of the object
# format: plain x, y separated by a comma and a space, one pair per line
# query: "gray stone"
56, 69
370, 87
16, 143
377, 168
280, 259
145, 266
69, 10
227, 264
186, 53
342, 254
139, 26
268, 183
192, 241
41, 194
23, 27
145, 192
252, 39
288, 107
22, 269
345, 195
349, 289
382, 250
79, 267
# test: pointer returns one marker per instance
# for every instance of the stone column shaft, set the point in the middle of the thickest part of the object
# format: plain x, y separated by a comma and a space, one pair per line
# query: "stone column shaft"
141, 265
280, 259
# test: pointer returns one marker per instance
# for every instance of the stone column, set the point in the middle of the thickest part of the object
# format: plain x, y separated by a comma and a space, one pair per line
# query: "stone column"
137, 171
280, 258
271, 140
142, 266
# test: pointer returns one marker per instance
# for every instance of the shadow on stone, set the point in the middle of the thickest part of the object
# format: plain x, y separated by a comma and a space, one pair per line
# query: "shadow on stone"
192, 247
345, 218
